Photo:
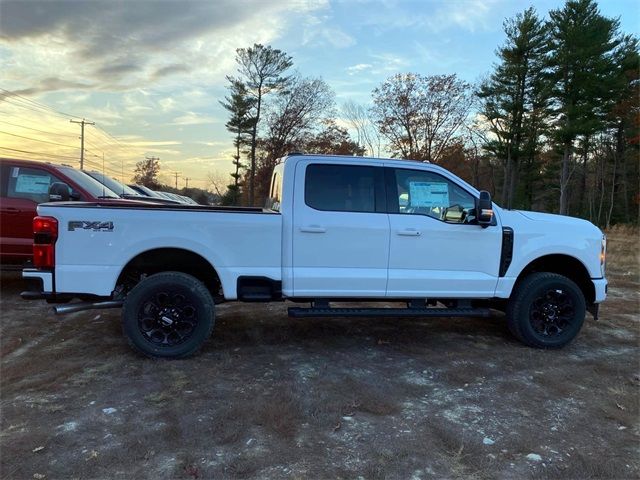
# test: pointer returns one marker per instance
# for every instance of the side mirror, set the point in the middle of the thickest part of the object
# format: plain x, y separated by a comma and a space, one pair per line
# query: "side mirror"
59, 192
484, 209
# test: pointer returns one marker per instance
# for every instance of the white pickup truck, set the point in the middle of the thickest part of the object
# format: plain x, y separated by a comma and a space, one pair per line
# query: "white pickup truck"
335, 229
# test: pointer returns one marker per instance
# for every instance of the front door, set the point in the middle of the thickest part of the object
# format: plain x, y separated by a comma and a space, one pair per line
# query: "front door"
23, 188
436, 250
340, 230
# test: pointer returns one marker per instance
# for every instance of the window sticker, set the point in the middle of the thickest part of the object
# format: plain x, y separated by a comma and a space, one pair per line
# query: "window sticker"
429, 194
32, 184
15, 172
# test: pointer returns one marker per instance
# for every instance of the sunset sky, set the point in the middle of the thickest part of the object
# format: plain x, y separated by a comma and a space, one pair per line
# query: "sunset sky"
150, 73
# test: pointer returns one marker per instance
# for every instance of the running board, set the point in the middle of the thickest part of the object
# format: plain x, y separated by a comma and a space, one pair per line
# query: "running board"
299, 312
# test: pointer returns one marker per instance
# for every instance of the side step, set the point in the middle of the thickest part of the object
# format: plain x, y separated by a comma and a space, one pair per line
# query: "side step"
299, 312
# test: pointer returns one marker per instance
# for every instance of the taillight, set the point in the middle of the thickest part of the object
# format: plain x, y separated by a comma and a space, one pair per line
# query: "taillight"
45, 234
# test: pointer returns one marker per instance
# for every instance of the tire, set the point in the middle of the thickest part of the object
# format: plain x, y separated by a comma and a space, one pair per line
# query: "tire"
546, 310
168, 315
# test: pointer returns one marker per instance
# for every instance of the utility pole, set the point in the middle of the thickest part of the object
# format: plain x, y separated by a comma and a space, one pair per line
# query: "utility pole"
82, 123
176, 174
187, 182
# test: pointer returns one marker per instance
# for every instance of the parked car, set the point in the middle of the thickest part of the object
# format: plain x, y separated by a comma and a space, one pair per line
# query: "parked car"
124, 191
23, 185
334, 229
152, 193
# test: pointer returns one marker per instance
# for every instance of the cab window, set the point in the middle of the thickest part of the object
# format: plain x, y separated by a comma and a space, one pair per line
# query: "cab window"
275, 192
29, 183
342, 188
427, 193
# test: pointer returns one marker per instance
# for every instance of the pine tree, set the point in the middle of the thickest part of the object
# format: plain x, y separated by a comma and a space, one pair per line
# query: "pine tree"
241, 122
513, 98
261, 69
582, 69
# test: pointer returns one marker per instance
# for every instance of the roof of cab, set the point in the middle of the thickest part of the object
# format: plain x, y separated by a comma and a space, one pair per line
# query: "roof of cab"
349, 158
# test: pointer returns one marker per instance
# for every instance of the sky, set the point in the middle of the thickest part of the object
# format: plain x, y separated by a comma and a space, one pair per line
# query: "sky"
150, 74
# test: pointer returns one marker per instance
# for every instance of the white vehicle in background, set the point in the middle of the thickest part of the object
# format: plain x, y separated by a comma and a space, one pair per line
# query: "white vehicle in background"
335, 229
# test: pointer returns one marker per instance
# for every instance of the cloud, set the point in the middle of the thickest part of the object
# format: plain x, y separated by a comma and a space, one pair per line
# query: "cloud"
117, 69
167, 104
46, 85
192, 118
171, 70
358, 68
119, 45
435, 16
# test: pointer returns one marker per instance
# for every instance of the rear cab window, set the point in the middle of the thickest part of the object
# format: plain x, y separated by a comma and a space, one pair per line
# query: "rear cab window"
274, 201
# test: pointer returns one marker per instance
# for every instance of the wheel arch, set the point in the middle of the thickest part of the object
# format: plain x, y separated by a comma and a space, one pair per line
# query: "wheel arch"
565, 265
164, 259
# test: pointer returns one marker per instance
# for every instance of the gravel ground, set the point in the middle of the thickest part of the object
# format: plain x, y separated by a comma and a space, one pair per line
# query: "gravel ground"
273, 397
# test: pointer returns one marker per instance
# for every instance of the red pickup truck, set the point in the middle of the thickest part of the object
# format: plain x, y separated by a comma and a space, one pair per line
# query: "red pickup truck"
24, 184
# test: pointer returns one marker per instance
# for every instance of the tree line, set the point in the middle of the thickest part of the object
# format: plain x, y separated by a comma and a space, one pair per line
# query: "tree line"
553, 126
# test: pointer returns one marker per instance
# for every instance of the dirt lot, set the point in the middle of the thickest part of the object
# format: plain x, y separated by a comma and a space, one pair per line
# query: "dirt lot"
273, 397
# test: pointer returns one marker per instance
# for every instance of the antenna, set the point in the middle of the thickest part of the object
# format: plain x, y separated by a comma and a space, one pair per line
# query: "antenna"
103, 187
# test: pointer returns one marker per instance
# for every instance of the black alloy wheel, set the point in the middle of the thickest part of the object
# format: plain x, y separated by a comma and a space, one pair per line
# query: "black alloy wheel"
546, 310
168, 315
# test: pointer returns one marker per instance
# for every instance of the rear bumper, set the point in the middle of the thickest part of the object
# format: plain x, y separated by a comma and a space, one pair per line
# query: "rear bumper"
600, 288
40, 286
38, 282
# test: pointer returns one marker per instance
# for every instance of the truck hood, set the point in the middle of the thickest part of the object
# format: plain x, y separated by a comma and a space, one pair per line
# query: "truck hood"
553, 218
548, 223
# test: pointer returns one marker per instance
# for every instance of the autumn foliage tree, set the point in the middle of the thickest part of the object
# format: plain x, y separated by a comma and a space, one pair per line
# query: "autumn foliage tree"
146, 172
421, 115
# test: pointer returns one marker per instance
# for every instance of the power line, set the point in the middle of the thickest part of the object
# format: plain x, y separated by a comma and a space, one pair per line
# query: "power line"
49, 132
38, 153
32, 108
12, 95
38, 140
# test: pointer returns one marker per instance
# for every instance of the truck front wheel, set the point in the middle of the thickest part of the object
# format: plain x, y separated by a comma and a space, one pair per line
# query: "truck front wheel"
168, 315
546, 310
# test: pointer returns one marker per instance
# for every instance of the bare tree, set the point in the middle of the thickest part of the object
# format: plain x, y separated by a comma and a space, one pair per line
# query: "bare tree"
397, 110
420, 116
367, 135
295, 113
292, 117
447, 104
218, 182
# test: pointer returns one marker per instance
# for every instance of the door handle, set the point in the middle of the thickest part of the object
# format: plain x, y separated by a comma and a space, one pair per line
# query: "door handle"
409, 232
313, 229
10, 211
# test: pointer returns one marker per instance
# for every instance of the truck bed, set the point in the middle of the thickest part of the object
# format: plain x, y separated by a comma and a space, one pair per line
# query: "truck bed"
97, 240
157, 206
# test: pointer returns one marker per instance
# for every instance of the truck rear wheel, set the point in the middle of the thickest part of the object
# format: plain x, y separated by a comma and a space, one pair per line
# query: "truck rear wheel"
168, 315
546, 310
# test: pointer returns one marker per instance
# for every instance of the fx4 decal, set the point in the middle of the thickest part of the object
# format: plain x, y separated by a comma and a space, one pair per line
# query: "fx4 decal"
86, 225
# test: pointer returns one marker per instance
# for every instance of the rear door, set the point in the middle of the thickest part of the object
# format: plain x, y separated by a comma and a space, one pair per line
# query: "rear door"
340, 230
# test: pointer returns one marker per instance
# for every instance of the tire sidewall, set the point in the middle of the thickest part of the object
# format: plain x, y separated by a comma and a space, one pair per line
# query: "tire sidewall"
532, 292
176, 283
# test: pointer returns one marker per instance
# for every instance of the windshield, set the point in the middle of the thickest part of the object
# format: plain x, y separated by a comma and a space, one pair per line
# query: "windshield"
113, 184
95, 188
